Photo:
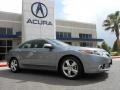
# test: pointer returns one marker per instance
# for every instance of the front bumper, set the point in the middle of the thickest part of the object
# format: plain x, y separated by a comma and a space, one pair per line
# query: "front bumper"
104, 67
96, 64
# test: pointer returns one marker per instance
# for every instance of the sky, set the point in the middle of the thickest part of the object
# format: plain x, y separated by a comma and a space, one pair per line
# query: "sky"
88, 11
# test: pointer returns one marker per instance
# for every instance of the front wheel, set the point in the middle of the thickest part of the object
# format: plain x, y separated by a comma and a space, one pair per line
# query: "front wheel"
14, 65
71, 68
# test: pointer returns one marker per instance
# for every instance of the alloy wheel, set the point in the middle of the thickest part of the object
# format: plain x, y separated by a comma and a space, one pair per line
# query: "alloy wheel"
14, 65
70, 68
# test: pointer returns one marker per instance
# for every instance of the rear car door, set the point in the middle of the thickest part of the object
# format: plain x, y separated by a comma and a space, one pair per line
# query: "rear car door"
27, 53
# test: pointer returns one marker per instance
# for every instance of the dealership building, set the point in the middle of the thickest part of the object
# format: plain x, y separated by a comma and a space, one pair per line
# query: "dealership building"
37, 21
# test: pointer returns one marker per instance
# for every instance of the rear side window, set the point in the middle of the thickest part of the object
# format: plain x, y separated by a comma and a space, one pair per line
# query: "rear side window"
34, 44
26, 45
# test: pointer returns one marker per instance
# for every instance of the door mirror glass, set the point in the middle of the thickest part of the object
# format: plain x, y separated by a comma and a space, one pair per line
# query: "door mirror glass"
48, 46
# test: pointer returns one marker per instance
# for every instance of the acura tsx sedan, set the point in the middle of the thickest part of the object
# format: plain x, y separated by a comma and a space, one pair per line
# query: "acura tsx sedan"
50, 54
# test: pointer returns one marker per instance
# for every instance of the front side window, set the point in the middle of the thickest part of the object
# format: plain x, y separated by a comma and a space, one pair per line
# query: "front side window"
38, 43
70, 43
60, 43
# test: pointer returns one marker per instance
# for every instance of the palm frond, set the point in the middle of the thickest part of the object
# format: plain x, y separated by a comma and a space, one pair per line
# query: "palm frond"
117, 13
112, 29
107, 28
112, 22
111, 16
119, 20
106, 23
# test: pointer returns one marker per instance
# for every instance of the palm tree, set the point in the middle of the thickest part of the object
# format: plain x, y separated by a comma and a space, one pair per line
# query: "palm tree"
113, 23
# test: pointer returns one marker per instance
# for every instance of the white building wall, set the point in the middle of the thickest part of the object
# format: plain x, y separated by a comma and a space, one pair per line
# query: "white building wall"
76, 28
33, 29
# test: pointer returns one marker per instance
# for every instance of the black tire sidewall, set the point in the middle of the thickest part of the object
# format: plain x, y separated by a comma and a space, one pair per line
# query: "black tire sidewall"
80, 68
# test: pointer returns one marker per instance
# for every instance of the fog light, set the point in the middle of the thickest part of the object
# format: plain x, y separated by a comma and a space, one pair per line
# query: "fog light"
103, 66
100, 67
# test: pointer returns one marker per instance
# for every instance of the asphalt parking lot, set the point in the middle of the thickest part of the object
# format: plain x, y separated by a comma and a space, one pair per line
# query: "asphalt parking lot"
46, 80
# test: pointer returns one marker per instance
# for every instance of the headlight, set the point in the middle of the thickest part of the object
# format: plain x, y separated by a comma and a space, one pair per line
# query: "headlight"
91, 52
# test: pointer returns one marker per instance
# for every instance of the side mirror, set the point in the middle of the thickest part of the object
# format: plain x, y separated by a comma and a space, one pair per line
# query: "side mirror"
49, 46
25, 46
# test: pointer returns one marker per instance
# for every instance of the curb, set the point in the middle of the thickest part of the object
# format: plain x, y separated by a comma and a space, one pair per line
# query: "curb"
115, 57
3, 64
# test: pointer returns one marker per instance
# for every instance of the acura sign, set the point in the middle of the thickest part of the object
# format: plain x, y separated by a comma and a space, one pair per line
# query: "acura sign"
38, 19
39, 10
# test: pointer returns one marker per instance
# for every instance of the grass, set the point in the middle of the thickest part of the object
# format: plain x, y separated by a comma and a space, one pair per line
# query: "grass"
115, 53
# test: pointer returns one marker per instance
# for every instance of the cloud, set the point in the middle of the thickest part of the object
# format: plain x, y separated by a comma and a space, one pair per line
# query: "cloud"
79, 10
87, 10
92, 11
11, 6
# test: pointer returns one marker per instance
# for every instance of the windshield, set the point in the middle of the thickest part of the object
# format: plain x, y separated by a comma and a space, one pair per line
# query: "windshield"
57, 42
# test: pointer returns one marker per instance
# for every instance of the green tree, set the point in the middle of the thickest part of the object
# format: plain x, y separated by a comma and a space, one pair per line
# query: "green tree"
106, 47
113, 23
115, 47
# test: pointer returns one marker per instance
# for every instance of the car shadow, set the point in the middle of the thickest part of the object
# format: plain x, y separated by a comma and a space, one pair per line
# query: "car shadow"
51, 77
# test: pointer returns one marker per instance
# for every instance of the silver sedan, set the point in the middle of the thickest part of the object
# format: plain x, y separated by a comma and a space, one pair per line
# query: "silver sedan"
49, 54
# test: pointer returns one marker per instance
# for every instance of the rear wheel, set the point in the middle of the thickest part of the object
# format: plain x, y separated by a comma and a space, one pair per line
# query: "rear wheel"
71, 68
14, 65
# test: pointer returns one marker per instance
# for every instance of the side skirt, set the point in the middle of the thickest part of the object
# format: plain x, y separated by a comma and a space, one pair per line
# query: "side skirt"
42, 67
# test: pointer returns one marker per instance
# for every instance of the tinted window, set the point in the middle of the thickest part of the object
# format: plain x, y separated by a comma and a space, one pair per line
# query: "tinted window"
57, 42
9, 43
2, 42
69, 35
86, 44
63, 35
38, 43
8, 49
2, 49
26, 45
2, 31
85, 36
34, 44
70, 43
9, 31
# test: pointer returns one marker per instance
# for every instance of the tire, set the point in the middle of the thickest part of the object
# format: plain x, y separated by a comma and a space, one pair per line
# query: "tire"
71, 68
14, 65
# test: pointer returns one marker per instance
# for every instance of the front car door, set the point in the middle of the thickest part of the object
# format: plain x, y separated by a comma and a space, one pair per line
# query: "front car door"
44, 56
